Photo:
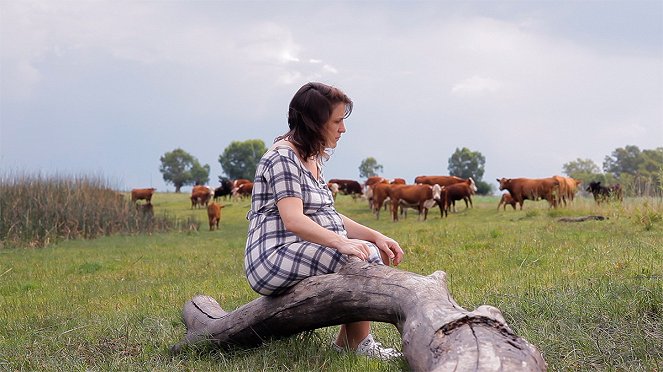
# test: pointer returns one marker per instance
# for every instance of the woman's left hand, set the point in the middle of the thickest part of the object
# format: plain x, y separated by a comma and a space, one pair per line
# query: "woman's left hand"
391, 248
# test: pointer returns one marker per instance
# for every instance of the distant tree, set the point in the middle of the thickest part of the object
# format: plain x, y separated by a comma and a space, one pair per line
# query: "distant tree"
580, 167
623, 160
180, 168
240, 159
369, 167
465, 163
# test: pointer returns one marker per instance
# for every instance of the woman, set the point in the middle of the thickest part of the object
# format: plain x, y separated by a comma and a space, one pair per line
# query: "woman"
294, 231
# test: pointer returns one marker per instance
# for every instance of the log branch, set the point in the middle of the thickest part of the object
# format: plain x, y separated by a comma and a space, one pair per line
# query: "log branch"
437, 333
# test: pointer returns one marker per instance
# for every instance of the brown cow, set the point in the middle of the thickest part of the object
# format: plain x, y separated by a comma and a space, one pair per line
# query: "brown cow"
423, 196
142, 194
333, 188
531, 188
201, 195
214, 215
381, 194
457, 191
506, 199
244, 190
440, 180
398, 181
571, 188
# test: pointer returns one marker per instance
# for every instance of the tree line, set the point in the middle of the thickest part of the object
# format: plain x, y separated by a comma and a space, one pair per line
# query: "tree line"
639, 171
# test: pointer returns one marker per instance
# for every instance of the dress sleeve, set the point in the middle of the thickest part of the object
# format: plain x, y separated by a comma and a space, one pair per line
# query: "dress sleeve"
284, 178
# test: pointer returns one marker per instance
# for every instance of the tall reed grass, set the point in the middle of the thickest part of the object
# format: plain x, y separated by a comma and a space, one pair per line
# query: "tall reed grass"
37, 210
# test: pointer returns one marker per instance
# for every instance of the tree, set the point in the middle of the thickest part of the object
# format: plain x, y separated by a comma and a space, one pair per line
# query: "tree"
240, 159
580, 167
180, 168
623, 160
369, 167
464, 163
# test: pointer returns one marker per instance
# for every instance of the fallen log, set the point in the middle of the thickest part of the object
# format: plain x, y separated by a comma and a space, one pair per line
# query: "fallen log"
437, 333
582, 219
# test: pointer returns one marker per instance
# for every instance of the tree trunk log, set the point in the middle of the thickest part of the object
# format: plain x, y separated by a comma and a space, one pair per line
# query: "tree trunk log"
437, 333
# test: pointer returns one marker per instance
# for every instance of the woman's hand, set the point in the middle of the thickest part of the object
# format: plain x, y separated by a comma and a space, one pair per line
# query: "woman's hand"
391, 248
354, 247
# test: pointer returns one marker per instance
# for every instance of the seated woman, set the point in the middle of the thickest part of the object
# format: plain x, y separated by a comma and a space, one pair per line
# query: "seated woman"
294, 230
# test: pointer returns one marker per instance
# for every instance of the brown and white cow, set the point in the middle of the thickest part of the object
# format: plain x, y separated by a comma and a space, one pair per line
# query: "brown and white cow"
522, 189
381, 194
333, 188
348, 187
423, 197
506, 199
214, 215
201, 195
243, 191
440, 180
142, 194
458, 191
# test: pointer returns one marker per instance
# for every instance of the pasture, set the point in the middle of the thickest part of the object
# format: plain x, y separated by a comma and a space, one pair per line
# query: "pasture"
588, 295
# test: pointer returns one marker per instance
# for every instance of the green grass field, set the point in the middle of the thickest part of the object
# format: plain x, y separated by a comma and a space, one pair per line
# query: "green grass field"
589, 295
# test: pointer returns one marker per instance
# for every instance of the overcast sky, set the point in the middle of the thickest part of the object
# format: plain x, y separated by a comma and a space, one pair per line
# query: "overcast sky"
106, 88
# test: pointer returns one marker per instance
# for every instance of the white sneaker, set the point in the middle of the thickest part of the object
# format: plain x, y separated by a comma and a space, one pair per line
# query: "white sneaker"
368, 347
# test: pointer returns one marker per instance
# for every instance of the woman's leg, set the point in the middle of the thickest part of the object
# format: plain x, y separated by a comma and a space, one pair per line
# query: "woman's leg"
352, 334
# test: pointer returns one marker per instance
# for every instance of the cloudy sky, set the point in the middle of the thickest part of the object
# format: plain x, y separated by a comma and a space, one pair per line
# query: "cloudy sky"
106, 88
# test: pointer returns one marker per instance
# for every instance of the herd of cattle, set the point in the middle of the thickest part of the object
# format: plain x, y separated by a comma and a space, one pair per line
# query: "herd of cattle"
426, 192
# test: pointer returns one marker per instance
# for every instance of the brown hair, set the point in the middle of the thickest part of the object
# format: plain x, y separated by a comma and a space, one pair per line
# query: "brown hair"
308, 112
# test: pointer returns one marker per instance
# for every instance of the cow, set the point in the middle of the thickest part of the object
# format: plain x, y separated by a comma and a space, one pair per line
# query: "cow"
522, 189
440, 180
243, 190
348, 187
457, 191
571, 188
333, 188
214, 215
380, 195
224, 190
398, 181
605, 193
506, 199
201, 195
423, 196
142, 194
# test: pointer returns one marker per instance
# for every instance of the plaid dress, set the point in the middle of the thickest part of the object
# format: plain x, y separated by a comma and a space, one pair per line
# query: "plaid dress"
275, 258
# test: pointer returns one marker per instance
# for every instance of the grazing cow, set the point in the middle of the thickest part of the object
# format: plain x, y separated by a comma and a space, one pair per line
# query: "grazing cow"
244, 190
201, 195
605, 193
531, 188
457, 191
423, 196
224, 190
333, 187
348, 187
506, 199
142, 194
214, 215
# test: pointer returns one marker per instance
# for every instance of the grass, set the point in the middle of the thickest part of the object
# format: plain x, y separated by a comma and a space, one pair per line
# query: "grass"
589, 295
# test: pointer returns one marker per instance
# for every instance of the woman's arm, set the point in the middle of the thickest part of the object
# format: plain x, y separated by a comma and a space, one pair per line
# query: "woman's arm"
291, 210
384, 243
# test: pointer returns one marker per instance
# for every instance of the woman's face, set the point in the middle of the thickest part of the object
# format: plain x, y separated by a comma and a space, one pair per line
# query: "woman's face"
335, 126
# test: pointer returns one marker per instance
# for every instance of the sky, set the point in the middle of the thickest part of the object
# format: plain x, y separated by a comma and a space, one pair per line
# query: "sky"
105, 88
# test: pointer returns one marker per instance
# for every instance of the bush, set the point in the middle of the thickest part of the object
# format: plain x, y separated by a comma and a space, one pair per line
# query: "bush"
36, 210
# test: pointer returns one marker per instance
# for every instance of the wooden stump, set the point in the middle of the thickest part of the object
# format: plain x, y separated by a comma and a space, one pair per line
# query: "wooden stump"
437, 333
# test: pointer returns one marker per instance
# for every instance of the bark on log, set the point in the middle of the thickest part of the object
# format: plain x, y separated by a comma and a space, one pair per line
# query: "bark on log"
437, 333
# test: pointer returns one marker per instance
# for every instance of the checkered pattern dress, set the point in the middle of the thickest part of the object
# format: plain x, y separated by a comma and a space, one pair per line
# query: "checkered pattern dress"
275, 258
